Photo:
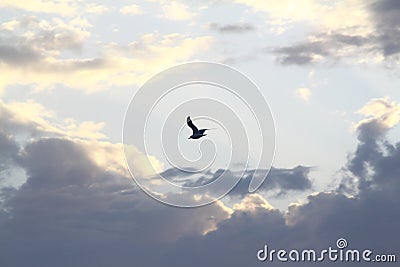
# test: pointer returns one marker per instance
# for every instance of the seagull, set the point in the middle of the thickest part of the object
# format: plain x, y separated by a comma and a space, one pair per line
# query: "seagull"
196, 132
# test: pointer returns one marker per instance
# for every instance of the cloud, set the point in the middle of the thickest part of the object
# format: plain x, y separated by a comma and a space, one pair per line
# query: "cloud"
39, 39
16, 56
8, 151
232, 28
387, 23
381, 115
382, 111
235, 242
97, 9
34, 41
30, 119
174, 10
33, 118
72, 203
33, 57
251, 203
318, 223
63, 7
75, 201
9, 25
320, 14
304, 94
323, 47
131, 10
372, 39
280, 181
301, 54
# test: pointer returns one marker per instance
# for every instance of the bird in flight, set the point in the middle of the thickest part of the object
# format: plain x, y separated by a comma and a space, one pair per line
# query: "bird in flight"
196, 132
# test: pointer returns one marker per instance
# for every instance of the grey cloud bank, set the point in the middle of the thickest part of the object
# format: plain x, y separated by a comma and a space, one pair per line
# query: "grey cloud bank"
72, 212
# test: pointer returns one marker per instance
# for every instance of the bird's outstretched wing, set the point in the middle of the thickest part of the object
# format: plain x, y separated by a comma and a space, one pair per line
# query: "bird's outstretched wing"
191, 125
201, 131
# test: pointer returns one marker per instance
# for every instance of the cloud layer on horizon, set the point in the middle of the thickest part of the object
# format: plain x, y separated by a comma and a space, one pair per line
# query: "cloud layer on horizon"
73, 211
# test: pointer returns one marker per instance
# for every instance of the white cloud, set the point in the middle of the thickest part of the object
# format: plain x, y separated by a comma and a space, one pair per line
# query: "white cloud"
304, 94
40, 65
61, 7
176, 11
144, 165
367, 35
35, 117
10, 25
324, 14
131, 10
251, 203
382, 110
97, 9
32, 119
81, 22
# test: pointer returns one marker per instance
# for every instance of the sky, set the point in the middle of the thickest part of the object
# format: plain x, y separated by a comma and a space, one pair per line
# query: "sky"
328, 71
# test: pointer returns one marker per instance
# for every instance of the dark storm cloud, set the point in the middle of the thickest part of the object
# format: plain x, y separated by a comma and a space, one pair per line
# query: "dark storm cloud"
386, 18
280, 181
52, 163
71, 212
234, 244
175, 172
368, 150
375, 163
285, 180
369, 220
232, 28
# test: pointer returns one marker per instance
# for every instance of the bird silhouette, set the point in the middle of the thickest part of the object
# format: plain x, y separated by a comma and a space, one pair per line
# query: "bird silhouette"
196, 132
